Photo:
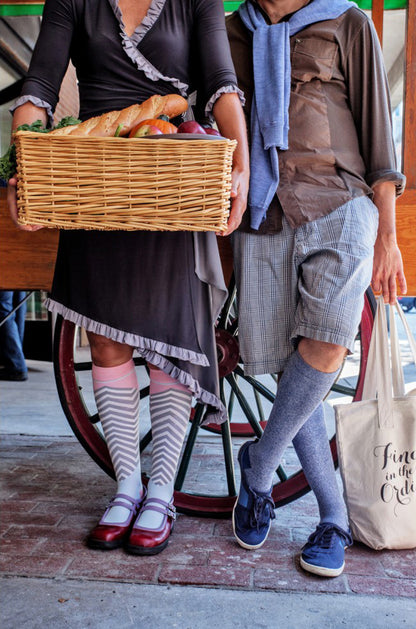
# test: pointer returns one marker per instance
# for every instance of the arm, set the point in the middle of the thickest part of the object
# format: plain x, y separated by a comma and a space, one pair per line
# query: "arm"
25, 114
229, 116
370, 105
215, 72
47, 69
51, 54
387, 265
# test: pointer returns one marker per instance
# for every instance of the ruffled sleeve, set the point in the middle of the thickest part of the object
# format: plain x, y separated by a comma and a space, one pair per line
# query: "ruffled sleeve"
51, 55
29, 98
213, 68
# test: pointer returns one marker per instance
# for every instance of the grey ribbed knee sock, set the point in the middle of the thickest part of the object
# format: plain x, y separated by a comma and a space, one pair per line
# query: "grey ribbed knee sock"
301, 388
312, 447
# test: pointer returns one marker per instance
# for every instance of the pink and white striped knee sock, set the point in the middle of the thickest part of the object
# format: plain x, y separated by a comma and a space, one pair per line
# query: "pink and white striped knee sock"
170, 406
117, 397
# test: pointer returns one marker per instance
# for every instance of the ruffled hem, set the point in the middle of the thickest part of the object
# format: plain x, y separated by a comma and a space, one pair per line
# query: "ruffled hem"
28, 98
217, 415
130, 44
225, 89
141, 343
154, 352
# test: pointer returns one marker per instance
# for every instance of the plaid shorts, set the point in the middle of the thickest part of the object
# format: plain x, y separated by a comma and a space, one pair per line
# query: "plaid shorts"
304, 282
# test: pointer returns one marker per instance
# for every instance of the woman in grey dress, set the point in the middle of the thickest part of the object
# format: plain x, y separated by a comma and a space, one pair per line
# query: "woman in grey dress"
157, 292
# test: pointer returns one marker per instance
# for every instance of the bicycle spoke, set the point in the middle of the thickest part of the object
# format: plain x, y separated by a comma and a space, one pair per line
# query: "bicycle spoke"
228, 457
190, 443
340, 388
256, 384
94, 419
259, 405
145, 440
252, 419
83, 366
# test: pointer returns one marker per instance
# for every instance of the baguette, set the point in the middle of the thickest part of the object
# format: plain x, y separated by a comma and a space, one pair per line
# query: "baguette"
106, 125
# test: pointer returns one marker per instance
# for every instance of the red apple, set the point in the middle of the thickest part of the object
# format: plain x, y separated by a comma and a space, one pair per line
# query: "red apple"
190, 126
147, 129
211, 131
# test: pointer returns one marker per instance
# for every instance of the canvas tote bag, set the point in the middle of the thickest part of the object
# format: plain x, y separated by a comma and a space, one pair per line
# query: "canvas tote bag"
376, 440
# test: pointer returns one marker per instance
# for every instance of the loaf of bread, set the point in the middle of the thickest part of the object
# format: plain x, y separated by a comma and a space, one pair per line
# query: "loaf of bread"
107, 124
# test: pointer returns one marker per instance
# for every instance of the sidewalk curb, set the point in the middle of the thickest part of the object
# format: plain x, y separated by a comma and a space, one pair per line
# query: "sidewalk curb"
60, 603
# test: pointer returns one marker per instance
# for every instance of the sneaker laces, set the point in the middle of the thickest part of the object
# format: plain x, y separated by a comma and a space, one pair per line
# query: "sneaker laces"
262, 511
326, 535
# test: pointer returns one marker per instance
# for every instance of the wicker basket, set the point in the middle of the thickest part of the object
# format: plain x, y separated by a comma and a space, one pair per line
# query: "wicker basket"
153, 183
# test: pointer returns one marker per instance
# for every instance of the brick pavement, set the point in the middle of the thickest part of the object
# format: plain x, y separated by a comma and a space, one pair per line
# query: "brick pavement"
52, 493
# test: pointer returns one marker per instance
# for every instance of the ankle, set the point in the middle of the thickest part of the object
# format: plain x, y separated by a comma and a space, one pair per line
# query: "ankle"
163, 492
153, 519
120, 509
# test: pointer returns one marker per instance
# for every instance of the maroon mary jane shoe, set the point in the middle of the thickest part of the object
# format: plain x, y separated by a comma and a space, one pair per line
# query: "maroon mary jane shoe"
152, 541
109, 536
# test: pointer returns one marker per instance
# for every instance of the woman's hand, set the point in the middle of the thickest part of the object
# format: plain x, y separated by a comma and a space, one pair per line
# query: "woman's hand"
229, 116
239, 191
12, 205
25, 114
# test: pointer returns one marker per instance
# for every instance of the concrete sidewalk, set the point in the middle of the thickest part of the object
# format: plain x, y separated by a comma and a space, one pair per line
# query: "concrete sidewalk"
59, 603
52, 493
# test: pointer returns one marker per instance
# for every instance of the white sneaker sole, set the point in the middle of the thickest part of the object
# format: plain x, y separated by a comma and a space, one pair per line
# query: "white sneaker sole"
320, 570
243, 544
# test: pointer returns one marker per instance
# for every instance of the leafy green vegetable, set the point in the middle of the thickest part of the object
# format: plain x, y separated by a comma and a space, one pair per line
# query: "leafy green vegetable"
36, 126
66, 122
8, 161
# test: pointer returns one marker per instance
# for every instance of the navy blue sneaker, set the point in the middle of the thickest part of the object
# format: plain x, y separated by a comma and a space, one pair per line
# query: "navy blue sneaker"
253, 511
323, 553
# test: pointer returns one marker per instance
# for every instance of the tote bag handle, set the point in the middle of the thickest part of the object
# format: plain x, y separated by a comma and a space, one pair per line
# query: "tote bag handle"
383, 377
396, 362
378, 382
396, 359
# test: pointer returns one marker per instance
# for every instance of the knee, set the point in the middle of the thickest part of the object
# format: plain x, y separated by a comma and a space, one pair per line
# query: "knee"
106, 352
322, 356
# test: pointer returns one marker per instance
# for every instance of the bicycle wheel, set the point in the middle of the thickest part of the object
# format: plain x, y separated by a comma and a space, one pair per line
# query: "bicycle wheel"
206, 481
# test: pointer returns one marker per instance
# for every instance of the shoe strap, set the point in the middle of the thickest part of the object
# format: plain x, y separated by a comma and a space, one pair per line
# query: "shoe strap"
135, 502
166, 508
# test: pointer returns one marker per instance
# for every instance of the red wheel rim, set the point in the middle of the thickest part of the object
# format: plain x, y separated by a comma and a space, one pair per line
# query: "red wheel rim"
93, 442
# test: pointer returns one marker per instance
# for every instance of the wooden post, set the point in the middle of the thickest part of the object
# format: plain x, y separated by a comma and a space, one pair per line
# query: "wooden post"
409, 126
377, 15
406, 206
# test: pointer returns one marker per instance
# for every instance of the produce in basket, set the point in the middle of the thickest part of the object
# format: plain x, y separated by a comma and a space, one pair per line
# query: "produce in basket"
8, 161
212, 131
114, 123
190, 126
144, 130
123, 121
164, 125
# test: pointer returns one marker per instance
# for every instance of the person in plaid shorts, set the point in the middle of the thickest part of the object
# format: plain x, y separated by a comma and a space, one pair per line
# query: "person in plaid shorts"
320, 227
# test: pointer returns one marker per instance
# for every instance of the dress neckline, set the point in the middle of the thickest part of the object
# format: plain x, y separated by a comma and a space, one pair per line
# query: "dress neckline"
153, 13
131, 43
